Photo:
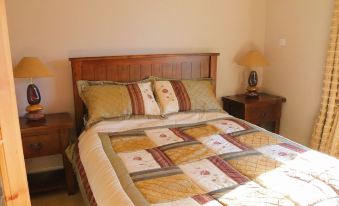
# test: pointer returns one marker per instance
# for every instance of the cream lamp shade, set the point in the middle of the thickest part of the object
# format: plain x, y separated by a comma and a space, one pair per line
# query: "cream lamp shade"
253, 59
31, 67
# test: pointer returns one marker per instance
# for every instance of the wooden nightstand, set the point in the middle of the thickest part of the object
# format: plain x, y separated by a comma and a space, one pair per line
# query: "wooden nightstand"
264, 111
44, 138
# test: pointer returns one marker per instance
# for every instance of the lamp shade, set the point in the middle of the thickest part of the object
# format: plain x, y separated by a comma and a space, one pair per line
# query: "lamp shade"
31, 67
253, 59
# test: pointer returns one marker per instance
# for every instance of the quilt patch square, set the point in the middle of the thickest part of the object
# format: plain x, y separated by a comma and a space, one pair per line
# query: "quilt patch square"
186, 152
207, 175
138, 161
219, 144
168, 188
253, 165
201, 131
129, 143
163, 136
257, 139
281, 152
228, 126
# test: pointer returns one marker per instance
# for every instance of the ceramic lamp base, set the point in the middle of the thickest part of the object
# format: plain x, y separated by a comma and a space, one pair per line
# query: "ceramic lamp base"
35, 112
35, 116
252, 95
252, 86
252, 92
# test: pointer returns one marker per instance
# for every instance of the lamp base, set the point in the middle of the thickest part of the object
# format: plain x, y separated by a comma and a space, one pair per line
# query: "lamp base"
35, 116
252, 92
252, 86
34, 112
252, 95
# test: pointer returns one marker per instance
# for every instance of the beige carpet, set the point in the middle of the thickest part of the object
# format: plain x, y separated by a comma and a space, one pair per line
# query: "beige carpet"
59, 198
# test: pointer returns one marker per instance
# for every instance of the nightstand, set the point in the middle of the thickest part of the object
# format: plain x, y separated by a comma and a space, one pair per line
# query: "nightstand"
44, 138
264, 111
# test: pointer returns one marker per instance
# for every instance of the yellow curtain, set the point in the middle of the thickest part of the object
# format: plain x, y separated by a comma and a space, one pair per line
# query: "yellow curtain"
325, 136
332, 147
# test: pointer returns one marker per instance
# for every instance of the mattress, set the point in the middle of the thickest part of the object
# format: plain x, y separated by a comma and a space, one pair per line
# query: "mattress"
197, 159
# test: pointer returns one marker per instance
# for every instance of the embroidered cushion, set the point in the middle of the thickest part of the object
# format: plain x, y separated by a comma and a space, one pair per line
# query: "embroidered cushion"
118, 101
186, 96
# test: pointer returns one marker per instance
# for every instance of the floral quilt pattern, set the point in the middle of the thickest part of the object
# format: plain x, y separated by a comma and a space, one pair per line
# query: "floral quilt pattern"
224, 162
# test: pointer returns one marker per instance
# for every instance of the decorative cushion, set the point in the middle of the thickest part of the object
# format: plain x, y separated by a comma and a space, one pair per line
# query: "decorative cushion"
122, 101
186, 96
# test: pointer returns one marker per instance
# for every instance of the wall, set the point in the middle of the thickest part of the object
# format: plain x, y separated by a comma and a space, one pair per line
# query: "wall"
296, 70
57, 30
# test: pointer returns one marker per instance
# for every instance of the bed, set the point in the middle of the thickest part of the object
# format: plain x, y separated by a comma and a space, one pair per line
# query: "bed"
200, 158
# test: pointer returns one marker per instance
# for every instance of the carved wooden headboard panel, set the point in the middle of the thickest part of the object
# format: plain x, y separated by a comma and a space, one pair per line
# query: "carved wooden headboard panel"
137, 67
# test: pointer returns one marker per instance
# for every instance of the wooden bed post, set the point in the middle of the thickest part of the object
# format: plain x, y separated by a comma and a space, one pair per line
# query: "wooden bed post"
213, 71
79, 109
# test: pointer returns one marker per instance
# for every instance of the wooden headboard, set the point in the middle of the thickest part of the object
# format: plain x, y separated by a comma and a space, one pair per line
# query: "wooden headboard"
137, 67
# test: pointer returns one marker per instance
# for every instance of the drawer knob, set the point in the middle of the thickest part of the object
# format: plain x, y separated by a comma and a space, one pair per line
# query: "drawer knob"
263, 114
36, 146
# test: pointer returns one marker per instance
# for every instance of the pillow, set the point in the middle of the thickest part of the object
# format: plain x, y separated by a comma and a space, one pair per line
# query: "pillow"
186, 96
118, 101
82, 84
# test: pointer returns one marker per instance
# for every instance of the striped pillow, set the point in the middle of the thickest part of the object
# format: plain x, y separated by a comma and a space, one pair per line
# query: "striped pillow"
118, 101
186, 96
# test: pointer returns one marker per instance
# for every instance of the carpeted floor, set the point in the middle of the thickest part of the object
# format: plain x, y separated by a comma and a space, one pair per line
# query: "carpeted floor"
59, 198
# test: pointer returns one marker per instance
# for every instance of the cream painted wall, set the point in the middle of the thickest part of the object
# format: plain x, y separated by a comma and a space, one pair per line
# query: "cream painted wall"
296, 70
57, 30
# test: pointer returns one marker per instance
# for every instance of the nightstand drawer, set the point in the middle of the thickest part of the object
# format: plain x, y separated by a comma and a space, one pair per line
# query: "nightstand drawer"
260, 114
40, 145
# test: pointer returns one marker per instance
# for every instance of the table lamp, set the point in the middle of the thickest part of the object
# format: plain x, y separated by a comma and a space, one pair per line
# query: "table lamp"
252, 60
32, 67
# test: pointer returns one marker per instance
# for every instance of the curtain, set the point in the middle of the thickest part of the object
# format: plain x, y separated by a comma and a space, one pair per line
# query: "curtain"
332, 147
325, 137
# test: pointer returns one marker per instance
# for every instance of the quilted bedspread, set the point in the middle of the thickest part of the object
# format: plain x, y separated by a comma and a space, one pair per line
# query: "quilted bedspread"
220, 162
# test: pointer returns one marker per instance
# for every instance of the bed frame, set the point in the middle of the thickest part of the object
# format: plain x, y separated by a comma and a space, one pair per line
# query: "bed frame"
137, 67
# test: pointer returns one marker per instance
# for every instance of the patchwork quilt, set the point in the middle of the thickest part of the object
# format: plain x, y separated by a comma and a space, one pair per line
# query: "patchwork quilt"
220, 162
